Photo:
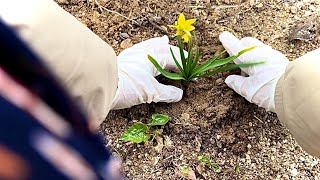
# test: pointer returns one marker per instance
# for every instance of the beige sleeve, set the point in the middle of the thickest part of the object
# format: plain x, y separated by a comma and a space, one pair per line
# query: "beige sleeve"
297, 101
85, 63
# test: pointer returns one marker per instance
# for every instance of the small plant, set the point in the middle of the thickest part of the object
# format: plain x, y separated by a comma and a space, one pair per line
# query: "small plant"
206, 161
140, 132
189, 67
185, 170
237, 168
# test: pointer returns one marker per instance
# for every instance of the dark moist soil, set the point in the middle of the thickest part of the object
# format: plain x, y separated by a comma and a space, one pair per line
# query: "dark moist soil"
212, 120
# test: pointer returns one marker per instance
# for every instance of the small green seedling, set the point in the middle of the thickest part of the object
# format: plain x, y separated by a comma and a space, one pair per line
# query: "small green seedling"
185, 170
206, 161
237, 168
140, 132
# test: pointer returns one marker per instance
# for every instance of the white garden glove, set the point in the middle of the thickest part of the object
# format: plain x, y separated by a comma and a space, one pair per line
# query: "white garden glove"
137, 84
259, 86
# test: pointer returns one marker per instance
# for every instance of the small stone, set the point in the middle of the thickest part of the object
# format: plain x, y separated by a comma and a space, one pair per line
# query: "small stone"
185, 116
294, 172
302, 159
312, 7
307, 13
124, 35
293, 9
126, 44
249, 146
219, 82
260, 5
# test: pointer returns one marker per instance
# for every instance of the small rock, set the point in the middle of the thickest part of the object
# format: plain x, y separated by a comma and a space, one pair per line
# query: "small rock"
293, 9
124, 35
294, 172
302, 159
260, 5
219, 82
126, 44
185, 116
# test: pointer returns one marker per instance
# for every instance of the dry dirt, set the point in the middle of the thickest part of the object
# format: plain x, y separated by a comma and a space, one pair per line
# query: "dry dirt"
213, 120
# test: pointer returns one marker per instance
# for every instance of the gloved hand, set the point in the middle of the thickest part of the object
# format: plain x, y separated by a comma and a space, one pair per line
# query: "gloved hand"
259, 86
137, 84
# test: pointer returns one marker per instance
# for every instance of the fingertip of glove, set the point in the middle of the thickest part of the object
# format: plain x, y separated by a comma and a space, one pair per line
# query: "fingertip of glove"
251, 41
226, 36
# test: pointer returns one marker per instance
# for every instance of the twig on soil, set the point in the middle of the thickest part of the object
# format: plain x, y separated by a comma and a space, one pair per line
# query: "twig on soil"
225, 6
151, 21
101, 9
197, 7
257, 118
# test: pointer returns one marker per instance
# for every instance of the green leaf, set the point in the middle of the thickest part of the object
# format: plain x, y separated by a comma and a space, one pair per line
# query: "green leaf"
189, 59
137, 133
229, 68
213, 63
176, 61
185, 170
196, 59
200, 69
183, 58
218, 170
228, 60
174, 76
237, 168
159, 120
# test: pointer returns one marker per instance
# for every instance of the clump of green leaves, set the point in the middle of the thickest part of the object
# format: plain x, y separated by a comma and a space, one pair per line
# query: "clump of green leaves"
189, 67
206, 161
140, 132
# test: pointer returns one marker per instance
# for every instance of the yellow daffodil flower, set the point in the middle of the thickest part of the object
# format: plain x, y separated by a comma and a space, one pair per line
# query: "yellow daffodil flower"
184, 27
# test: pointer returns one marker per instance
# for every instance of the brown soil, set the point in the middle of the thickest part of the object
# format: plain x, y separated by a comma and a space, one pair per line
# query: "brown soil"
213, 120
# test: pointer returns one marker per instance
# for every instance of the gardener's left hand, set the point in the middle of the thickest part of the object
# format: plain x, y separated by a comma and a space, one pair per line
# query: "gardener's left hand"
137, 84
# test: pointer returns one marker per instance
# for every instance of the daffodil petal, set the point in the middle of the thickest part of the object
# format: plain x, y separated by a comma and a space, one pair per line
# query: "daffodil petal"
187, 32
186, 38
190, 21
181, 19
190, 28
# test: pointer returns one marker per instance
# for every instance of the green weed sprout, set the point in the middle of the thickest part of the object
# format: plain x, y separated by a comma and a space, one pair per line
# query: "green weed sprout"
206, 161
189, 67
140, 132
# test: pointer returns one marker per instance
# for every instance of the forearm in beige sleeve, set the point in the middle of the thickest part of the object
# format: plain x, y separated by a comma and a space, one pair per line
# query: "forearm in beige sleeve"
297, 101
84, 62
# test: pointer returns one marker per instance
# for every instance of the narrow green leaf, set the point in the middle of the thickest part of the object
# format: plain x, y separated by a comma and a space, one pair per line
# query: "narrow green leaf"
137, 133
176, 61
196, 59
189, 59
222, 62
237, 168
174, 76
159, 120
183, 58
199, 69
229, 68
246, 50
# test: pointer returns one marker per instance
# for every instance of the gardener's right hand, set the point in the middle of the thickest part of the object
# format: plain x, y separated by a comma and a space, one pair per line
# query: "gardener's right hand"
259, 86
137, 84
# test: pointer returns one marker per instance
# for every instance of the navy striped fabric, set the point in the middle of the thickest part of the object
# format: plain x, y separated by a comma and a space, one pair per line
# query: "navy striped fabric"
17, 126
